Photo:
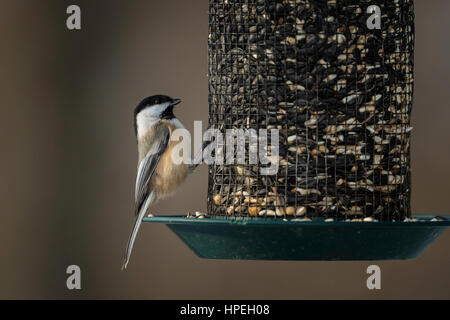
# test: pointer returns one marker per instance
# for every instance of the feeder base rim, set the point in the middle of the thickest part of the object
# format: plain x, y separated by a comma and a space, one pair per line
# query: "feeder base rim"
422, 221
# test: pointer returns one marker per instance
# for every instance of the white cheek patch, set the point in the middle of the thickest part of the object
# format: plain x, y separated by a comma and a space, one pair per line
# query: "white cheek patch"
144, 124
148, 117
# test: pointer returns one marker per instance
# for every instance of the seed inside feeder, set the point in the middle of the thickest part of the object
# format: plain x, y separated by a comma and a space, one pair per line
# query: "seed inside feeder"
339, 94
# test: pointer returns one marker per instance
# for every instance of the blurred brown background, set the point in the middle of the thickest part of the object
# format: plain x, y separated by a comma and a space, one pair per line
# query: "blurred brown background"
68, 159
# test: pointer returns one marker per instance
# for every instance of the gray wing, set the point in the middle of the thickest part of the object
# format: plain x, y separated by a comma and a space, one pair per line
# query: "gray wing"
146, 168
144, 196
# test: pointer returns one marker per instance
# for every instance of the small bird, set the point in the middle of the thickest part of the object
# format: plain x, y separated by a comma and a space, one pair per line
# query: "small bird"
157, 176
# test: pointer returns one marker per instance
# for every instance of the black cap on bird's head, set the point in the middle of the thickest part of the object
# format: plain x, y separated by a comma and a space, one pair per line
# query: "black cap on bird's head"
158, 106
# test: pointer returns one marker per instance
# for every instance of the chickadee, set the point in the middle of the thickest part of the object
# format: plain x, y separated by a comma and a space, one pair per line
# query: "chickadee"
157, 176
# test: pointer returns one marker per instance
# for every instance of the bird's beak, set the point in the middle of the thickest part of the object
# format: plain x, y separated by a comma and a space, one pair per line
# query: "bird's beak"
175, 102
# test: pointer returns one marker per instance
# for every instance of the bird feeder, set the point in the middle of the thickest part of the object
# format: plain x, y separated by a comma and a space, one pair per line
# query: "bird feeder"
334, 79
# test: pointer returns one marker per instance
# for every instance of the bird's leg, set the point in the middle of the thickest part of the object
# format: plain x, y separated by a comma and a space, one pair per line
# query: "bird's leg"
199, 156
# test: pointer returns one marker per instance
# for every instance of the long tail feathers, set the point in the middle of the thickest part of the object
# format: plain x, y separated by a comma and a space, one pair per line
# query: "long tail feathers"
135, 230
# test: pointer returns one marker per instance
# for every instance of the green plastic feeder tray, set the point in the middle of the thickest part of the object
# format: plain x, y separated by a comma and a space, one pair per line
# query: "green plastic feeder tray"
274, 239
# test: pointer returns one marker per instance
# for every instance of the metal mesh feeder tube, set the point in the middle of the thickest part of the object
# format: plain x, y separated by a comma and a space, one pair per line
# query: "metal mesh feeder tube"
339, 94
